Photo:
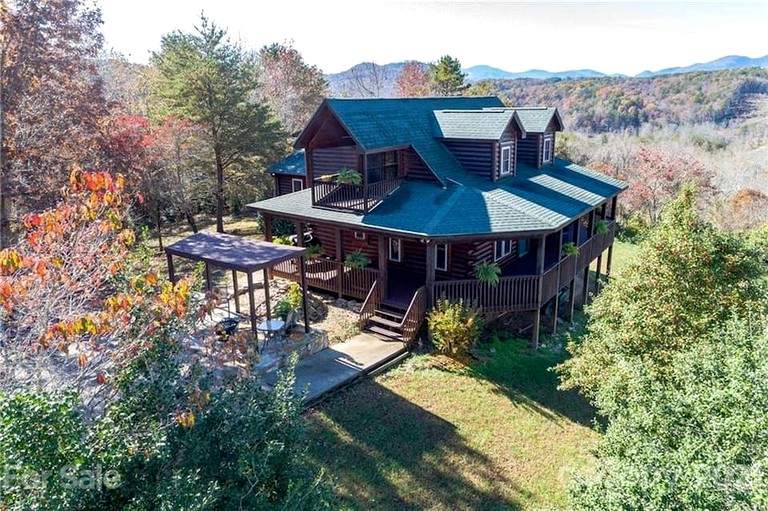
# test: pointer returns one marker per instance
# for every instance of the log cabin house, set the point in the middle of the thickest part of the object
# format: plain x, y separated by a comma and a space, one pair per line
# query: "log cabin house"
289, 174
445, 184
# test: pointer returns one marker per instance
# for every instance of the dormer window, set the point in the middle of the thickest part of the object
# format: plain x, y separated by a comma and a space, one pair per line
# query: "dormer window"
506, 164
547, 156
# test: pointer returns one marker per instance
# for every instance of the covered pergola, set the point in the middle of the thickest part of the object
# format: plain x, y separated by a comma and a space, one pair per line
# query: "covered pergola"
239, 255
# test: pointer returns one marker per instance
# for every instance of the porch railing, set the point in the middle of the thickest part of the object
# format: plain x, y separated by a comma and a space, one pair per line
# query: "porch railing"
594, 246
324, 274
371, 303
357, 198
415, 315
511, 293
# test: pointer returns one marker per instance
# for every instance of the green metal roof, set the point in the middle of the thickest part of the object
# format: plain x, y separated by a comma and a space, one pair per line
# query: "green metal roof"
488, 124
534, 119
380, 123
293, 165
535, 200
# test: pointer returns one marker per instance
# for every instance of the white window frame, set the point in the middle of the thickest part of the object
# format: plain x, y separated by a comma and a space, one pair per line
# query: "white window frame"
510, 164
506, 249
295, 180
359, 235
523, 246
444, 267
547, 151
395, 256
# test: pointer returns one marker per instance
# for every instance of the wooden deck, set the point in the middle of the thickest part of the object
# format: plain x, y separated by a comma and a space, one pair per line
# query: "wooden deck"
331, 276
526, 292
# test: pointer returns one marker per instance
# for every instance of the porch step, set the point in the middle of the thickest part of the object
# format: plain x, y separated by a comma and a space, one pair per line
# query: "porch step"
385, 333
394, 316
386, 322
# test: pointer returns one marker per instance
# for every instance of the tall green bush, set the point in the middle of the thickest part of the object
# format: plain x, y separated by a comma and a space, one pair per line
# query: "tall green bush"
675, 359
454, 327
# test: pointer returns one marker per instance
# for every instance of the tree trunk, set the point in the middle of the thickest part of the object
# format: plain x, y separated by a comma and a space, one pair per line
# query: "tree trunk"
219, 191
191, 221
159, 226
3, 171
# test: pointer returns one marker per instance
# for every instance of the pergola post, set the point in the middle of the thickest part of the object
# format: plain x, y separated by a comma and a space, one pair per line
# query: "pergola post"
237, 291
304, 302
252, 304
171, 272
208, 279
266, 293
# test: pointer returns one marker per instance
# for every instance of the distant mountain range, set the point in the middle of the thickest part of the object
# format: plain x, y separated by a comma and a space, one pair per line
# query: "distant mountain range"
380, 79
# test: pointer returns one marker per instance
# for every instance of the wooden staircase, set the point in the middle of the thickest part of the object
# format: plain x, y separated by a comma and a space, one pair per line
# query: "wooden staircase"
387, 321
390, 320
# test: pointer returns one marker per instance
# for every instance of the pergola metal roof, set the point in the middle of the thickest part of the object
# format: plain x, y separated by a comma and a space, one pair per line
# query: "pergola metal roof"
238, 254
233, 252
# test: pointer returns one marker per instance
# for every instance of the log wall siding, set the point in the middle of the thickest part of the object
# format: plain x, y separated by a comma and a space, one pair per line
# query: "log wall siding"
332, 159
529, 150
476, 156
284, 183
326, 235
415, 167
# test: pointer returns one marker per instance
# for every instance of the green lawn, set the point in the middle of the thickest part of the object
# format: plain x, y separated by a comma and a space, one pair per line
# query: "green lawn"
433, 434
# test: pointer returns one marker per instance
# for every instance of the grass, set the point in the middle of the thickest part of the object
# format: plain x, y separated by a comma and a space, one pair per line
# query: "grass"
435, 434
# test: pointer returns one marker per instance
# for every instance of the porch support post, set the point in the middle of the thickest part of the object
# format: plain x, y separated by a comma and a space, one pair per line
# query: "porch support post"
340, 263
557, 288
364, 169
572, 287
608, 261
614, 203
267, 227
597, 272
304, 303
430, 281
590, 232
383, 274
266, 293
252, 307
299, 233
171, 272
237, 291
540, 250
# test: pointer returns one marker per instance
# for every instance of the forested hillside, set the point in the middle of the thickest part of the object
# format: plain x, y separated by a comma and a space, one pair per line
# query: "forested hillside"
599, 105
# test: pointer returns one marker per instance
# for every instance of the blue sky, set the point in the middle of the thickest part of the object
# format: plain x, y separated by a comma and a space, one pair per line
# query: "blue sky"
612, 37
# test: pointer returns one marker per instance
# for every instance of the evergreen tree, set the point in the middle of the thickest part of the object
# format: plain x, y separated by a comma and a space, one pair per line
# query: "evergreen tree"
446, 76
212, 82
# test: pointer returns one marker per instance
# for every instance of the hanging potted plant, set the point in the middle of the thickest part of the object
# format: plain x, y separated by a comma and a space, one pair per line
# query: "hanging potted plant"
570, 249
356, 260
488, 273
601, 227
349, 177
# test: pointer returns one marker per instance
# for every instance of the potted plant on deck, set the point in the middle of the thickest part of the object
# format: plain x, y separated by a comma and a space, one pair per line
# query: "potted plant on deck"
356, 260
488, 273
349, 177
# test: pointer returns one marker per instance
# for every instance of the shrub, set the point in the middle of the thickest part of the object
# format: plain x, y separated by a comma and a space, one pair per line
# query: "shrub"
632, 229
454, 327
282, 240
294, 296
356, 260
488, 273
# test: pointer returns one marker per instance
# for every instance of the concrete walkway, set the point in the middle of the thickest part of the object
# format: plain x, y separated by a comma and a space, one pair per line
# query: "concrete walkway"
337, 365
